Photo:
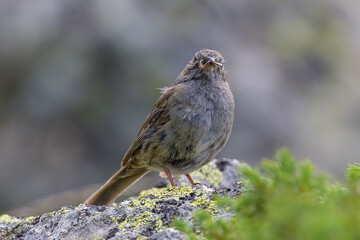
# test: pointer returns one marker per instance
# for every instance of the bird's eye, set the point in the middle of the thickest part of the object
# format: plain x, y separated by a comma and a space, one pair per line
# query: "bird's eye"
201, 64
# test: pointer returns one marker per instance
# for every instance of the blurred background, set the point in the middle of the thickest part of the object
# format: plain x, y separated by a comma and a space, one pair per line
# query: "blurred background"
78, 78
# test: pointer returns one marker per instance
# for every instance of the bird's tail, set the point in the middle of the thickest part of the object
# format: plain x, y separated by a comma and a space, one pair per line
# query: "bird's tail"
116, 185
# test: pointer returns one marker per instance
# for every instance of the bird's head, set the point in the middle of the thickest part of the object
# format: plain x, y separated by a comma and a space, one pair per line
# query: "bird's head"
208, 59
205, 65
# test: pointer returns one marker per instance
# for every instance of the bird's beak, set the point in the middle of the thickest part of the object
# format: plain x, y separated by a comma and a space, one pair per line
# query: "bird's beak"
212, 60
206, 65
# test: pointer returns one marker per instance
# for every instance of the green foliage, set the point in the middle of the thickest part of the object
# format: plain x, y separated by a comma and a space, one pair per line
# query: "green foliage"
285, 200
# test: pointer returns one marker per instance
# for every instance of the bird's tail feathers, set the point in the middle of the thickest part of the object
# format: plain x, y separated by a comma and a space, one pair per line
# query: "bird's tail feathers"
116, 185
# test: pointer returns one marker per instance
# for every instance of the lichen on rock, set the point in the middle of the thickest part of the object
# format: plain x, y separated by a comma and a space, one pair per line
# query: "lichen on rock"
147, 216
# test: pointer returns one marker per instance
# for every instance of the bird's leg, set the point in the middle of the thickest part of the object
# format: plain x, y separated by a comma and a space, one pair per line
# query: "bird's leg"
168, 174
190, 179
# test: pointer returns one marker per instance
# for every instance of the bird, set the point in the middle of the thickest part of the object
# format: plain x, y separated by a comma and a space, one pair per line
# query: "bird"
188, 126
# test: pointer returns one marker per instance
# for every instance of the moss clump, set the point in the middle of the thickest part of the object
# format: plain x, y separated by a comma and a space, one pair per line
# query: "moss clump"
285, 200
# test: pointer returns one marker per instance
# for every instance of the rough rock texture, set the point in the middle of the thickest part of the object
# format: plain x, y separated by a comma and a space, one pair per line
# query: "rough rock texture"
147, 216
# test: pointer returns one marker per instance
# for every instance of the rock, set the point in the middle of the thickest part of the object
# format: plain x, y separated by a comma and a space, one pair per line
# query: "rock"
148, 215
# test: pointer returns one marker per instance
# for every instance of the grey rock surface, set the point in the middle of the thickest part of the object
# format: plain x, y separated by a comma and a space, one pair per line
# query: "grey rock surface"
148, 215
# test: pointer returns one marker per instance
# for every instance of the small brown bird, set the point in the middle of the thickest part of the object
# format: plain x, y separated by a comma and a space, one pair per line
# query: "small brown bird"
189, 125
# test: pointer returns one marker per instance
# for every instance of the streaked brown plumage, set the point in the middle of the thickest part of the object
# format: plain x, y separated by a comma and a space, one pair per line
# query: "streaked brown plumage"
188, 126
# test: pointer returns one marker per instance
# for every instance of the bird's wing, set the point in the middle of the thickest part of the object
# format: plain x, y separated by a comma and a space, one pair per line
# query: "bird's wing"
157, 117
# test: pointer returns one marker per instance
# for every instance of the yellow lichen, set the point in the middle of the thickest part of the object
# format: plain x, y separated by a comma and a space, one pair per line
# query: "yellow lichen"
115, 219
207, 205
166, 193
121, 225
6, 219
210, 174
163, 194
137, 224
62, 210
15, 225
